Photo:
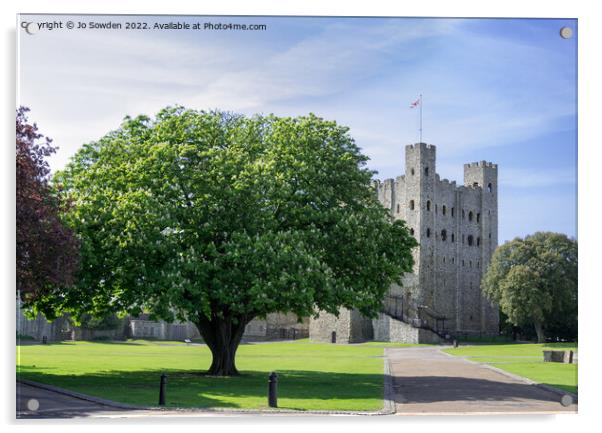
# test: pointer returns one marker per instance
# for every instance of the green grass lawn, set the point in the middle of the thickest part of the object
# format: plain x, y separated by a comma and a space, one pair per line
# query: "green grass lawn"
312, 376
525, 360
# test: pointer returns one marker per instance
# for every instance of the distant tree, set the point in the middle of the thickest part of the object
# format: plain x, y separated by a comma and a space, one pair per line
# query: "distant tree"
534, 280
46, 251
217, 219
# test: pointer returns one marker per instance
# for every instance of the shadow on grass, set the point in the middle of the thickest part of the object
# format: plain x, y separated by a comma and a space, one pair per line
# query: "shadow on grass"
73, 343
194, 389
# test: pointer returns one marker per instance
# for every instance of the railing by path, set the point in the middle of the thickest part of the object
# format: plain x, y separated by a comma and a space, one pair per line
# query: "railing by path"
421, 317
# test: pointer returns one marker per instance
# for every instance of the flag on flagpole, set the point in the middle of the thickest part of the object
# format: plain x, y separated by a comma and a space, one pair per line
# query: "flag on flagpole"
415, 103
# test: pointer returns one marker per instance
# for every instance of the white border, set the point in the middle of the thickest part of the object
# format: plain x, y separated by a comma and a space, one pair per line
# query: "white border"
590, 99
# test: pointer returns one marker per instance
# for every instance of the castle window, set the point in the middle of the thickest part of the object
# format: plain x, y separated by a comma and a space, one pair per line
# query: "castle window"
462, 238
478, 217
411, 204
469, 239
428, 233
398, 208
428, 205
412, 171
478, 241
462, 262
453, 260
452, 210
489, 235
443, 259
443, 209
489, 187
488, 212
412, 232
443, 235
463, 214
453, 238
470, 216
426, 171
436, 208
478, 264
475, 184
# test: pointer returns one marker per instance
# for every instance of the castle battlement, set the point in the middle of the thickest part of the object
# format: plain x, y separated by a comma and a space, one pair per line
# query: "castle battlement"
480, 164
421, 146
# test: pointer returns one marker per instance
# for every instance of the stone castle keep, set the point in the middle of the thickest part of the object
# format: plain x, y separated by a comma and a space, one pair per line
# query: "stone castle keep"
456, 227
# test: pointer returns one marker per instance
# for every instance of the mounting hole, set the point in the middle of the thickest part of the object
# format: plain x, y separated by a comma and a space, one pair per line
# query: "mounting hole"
566, 400
33, 404
566, 33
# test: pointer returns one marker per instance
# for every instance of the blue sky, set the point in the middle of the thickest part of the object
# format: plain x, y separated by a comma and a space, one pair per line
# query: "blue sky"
502, 90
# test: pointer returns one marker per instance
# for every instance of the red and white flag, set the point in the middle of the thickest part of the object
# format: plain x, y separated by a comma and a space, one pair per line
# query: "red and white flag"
415, 103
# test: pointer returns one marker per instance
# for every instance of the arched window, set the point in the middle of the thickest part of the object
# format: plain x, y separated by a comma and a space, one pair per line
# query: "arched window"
452, 212
428, 205
470, 216
453, 238
489, 187
412, 171
469, 240
443, 259
478, 241
453, 260
411, 204
478, 264
443, 209
428, 233
426, 171
443, 235
478, 217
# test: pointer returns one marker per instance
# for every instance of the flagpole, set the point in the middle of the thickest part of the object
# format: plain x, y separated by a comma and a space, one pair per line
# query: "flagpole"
421, 118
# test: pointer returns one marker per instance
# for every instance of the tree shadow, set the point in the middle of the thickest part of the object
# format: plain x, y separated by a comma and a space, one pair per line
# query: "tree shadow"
193, 389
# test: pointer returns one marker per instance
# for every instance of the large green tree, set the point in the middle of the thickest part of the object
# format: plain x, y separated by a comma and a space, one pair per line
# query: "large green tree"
534, 280
219, 218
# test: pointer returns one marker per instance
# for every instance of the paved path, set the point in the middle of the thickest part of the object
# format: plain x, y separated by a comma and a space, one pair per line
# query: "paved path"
428, 381
54, 405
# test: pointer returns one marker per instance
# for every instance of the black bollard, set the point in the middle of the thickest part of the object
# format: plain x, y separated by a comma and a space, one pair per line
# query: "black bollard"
273, 390
162, 389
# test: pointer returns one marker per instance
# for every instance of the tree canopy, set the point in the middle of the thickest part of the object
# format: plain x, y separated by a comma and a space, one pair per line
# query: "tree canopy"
46, 250
534, 280
219, 218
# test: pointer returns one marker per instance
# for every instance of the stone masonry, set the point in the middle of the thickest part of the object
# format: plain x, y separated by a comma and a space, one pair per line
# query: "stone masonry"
456, 227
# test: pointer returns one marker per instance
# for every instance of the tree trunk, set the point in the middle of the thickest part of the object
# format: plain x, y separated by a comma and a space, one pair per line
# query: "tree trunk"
222, 336
541, 338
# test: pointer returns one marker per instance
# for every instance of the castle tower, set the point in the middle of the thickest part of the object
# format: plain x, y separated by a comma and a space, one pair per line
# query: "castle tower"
420, 180
484, 175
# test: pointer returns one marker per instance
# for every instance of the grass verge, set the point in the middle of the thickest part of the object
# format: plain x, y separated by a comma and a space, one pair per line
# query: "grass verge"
525, 360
